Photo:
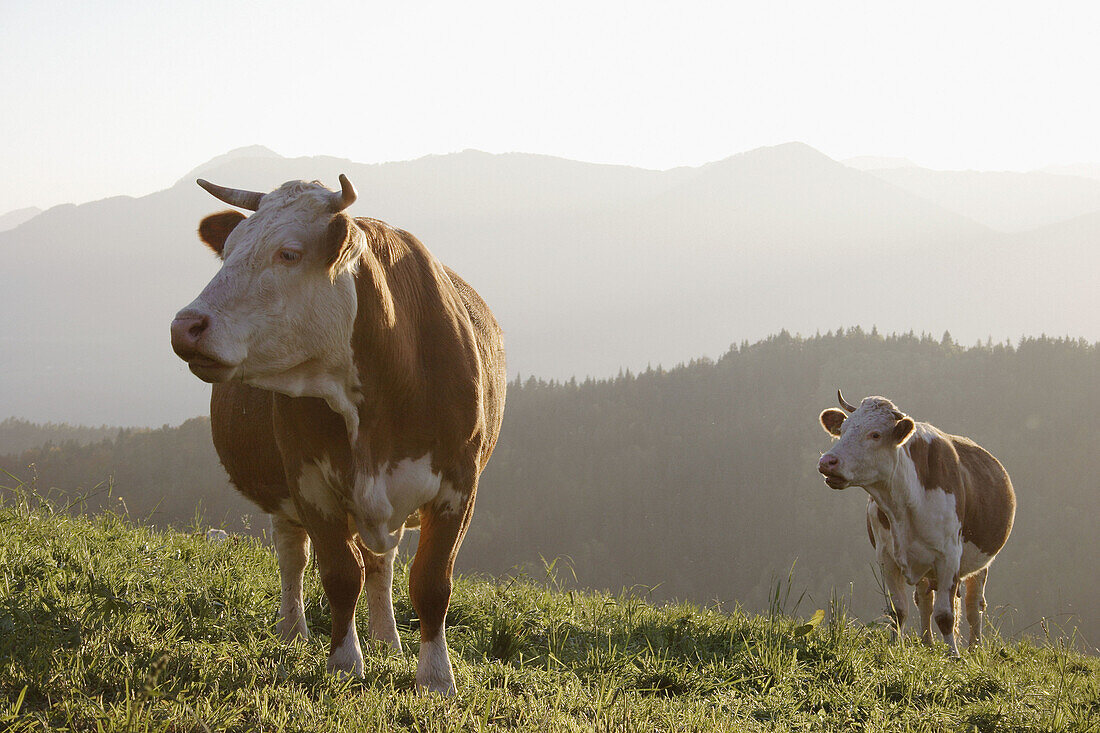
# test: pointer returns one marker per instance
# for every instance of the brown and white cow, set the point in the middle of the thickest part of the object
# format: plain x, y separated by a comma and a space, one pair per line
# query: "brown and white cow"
358, 389
941, 508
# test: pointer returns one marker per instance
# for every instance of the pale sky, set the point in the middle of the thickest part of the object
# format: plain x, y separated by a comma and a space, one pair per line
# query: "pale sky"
109, 97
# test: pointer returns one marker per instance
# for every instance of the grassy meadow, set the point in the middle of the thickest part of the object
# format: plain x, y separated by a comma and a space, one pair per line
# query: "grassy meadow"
106, 625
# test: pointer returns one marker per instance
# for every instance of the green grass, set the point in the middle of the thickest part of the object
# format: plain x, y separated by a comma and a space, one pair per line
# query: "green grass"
109, 626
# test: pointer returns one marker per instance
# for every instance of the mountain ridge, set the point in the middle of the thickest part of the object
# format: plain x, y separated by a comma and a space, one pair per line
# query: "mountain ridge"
590, 268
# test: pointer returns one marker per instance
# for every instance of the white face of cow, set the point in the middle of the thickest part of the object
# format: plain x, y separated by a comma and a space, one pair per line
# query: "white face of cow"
869, 440
280, 311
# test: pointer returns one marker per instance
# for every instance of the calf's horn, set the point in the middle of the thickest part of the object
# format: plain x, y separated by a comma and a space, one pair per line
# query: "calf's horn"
233, 196
347, 194
844, 403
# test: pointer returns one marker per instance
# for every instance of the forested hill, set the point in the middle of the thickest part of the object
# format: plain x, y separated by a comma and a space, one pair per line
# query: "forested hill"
18, 435
701, 480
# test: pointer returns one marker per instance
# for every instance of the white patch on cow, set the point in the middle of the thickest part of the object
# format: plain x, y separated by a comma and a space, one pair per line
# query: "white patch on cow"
378, 588
973, 559
433, 668
287, 510
348, 657
318, 485
924, 526
382, 502
449, 500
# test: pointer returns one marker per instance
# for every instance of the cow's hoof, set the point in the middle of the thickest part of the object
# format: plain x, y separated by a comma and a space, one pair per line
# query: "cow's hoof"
433, 669
346, 660
290, 631
444, 689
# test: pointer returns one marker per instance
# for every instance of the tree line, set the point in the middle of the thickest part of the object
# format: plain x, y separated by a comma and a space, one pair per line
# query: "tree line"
700, 482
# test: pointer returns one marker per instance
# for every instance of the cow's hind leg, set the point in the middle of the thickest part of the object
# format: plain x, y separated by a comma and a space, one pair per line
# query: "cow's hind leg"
292, 548
443, 524
975, 604
378, 584
923, 597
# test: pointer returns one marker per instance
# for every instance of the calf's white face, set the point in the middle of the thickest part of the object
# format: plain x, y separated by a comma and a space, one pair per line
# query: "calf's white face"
279, 313
868, 445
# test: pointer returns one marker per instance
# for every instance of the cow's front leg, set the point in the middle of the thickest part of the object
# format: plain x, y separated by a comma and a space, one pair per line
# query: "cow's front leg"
922, 596
378, 584
899, 600
341, 568
292, 549
443, 524
945, 605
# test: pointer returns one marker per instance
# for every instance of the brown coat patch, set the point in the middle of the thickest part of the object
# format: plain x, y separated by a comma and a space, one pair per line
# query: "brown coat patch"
244, 437
991, 502
984, 499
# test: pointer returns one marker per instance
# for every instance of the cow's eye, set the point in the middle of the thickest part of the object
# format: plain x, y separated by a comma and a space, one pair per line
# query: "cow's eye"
289, 256
874, 435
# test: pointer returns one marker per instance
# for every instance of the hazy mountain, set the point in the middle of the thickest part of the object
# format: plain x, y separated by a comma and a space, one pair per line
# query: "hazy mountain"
877, 162
590, 268
249, 151
1085, 170
1006, 201
12, 219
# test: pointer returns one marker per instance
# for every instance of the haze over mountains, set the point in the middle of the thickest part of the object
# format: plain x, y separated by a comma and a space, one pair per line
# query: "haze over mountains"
590, 268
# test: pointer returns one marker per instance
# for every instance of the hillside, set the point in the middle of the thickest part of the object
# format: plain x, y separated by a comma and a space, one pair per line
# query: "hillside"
700, 481
589, 268
109, 626
1007, 201
18, 435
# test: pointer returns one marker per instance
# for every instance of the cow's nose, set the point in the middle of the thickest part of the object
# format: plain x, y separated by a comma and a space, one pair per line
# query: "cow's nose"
828, 462
186, 332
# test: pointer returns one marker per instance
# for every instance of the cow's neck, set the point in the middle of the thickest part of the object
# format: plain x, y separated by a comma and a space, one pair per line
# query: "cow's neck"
900, 493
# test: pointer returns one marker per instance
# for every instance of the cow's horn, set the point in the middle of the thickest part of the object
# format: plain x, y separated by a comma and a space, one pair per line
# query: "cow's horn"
844, 403
347, 194
233, 196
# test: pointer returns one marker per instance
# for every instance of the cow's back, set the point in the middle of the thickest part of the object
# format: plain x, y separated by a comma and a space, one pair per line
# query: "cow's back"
990, 502
490, 346
244, 437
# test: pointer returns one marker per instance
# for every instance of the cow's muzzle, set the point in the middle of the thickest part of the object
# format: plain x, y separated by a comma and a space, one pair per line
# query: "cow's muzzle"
829, 468
187, 335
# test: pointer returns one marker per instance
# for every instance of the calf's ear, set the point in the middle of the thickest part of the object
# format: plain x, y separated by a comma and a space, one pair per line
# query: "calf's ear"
903, 429
831, 420
345, 244
215, 229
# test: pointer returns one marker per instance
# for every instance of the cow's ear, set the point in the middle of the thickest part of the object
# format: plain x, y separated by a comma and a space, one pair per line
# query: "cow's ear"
215, 229
902, 430
345, 244
832, 419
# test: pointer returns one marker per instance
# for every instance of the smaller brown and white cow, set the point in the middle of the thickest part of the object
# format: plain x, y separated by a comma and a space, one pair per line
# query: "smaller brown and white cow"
941, 508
